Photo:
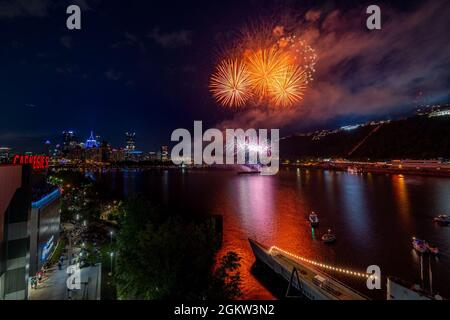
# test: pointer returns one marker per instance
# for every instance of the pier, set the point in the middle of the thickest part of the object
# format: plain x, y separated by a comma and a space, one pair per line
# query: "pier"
310, 282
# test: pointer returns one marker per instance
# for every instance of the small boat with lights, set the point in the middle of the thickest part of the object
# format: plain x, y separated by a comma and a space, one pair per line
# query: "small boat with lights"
309, 281
419, 245
329, 237
313, 219
433, 249
353, 170
251, 172
442, 219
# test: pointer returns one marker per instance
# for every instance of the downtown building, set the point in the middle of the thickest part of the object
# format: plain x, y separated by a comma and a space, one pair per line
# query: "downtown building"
5, 154
29, 227
15, 210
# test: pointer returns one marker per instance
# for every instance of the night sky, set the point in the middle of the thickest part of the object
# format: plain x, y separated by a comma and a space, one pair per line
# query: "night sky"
144, 66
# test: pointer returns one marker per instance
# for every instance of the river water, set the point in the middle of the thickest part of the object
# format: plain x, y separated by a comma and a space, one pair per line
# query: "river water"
373, 217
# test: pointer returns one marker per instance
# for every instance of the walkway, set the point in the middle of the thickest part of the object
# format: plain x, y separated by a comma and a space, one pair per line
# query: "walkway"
54, 287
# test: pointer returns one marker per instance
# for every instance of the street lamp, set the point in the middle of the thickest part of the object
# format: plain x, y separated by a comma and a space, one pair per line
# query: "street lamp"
111, 233
112, 256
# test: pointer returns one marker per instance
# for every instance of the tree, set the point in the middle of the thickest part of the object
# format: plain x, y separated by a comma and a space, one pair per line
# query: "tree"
225, 282
161, 256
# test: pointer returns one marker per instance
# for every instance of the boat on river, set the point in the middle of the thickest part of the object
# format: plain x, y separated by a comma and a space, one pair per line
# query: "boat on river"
313, 219
433, 249
329, 237
420, 245
251, 172
312, 283
423, 246
353, 170
442, 219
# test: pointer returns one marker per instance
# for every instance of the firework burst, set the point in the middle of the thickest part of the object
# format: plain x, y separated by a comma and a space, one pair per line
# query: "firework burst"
265, 67
272, 69
289, 88
230, 84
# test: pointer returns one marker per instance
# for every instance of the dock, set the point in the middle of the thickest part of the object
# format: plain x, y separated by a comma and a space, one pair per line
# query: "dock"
310, 282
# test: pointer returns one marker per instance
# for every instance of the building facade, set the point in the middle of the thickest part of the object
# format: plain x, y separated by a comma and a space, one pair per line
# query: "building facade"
15, 208
5, 154
29, 227
44, 228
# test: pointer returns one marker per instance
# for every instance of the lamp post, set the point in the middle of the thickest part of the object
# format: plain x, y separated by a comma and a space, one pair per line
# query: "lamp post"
112, 256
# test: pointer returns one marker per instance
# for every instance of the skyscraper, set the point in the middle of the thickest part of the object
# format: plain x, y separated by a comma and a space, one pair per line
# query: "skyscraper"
5, 154
164, 153
69, 141
130, 141
91, 142
48, 147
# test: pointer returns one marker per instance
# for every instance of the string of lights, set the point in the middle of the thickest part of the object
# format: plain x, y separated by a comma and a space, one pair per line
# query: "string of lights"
322, 265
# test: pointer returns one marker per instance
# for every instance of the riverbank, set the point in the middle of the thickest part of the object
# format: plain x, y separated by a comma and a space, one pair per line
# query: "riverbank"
374, 169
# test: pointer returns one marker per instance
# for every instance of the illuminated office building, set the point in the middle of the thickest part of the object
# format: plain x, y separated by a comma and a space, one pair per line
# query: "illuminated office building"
130, 141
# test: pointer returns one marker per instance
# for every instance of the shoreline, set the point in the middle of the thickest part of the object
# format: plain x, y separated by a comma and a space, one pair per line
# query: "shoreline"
444, 173
347, 167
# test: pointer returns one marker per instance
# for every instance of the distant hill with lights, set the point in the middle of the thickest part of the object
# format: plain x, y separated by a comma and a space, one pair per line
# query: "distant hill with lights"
425, 135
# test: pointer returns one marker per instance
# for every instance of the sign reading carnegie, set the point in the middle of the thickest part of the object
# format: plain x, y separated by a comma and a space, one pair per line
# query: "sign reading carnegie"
37, 162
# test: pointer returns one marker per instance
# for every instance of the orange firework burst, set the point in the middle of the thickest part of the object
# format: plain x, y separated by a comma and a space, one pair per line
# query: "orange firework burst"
230, 84
289, 88
270, 68
266, 67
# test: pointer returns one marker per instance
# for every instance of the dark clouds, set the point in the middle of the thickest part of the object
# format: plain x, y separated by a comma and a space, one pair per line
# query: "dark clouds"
39, 8
67, 42
21, 8
112, 74
174, 39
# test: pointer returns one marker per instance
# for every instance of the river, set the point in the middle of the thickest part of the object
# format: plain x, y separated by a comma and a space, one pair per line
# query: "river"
373, 217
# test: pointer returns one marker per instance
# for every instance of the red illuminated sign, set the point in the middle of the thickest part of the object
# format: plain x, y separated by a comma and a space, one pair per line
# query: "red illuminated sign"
37, 162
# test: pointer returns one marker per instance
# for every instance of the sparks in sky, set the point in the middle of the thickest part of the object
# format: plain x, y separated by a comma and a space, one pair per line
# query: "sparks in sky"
272, 69
230, 84
289, 88
266, 67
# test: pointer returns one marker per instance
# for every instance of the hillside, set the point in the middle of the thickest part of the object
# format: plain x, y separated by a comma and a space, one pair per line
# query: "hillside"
418, 137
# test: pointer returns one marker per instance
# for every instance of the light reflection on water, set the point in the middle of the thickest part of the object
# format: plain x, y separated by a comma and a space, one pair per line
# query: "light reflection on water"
373, 216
